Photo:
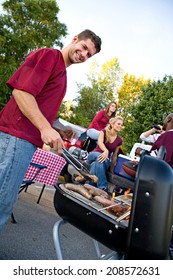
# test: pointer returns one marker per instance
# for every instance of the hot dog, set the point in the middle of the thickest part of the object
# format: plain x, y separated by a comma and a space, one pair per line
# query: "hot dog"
95, 191
80, 178
102, 200
93, 178
79, 189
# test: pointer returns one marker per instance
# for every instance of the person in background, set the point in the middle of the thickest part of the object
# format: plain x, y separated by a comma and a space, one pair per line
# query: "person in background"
166, 139
104, 156
101, 119
149, 136
38, 87
152, 134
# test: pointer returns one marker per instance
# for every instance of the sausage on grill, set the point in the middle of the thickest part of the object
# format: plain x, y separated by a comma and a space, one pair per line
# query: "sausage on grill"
81, 179
102, 200
79, 189
95, 191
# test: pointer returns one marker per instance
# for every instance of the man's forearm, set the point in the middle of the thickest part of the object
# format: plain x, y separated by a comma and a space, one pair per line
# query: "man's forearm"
149, 132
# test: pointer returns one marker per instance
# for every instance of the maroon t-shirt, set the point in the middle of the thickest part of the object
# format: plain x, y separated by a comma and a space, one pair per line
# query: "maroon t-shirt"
43, 74
166, 140
110, 146
100, 120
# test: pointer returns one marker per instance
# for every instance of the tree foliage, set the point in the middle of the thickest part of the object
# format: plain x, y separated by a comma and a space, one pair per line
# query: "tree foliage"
26, 25
154, 103
88, 102
107, 77
103, 82
129, 93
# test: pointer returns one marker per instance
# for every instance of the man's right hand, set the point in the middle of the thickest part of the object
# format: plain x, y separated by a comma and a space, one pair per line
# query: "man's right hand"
52, 138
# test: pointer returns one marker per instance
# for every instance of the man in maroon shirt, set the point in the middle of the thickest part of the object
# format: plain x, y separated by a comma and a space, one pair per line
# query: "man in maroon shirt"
38, 87
166, 139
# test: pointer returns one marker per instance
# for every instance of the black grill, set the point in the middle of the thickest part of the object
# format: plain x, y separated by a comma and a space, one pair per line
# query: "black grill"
147, 234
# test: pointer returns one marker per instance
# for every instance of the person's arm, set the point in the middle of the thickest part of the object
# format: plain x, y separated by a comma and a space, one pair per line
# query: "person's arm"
114, 159
149, 135
96, 120
104, 156
29, 107
149, 132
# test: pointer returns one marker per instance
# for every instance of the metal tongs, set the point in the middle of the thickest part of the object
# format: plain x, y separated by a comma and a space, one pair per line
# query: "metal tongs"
83, 170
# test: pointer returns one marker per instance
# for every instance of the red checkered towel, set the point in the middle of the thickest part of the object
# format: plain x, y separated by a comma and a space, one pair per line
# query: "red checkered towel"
49, 175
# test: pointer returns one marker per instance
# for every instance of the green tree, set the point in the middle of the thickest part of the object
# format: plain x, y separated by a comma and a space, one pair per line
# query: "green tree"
103, 81
107, 77
88, 102
129, 93
26, 25
66, 110
154, 103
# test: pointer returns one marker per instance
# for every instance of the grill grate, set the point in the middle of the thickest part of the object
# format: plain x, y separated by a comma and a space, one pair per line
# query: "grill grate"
123, 200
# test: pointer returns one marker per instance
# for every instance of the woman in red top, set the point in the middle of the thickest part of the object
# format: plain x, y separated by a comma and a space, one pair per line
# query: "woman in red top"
101, 119
105, 153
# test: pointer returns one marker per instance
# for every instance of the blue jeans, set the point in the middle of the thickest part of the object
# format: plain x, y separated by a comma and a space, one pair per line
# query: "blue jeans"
93, 133
15, 156
98, 169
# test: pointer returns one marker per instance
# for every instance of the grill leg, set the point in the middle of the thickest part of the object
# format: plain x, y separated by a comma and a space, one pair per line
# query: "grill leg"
111, 256
41, 193
13, 220
96, 245
56, 238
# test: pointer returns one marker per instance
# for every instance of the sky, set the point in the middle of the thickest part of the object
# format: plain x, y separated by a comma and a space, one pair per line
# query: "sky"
137, 32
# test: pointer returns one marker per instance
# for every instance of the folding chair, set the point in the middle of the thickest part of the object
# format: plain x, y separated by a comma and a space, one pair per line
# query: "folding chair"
45, 167
28, 182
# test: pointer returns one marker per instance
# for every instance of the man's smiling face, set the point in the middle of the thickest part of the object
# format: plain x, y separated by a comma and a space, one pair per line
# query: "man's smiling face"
81, 50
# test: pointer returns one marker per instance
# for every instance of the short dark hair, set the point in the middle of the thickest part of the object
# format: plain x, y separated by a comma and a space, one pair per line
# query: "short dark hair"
88, 34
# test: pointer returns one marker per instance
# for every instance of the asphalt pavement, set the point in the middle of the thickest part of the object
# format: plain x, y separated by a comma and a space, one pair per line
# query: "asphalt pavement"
31, 237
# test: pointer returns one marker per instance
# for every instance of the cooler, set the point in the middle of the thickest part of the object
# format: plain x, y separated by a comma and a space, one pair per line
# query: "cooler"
118, 170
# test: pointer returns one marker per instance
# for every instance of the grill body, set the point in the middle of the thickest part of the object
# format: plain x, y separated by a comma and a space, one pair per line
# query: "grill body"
152, 211
148, 234
96, 224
